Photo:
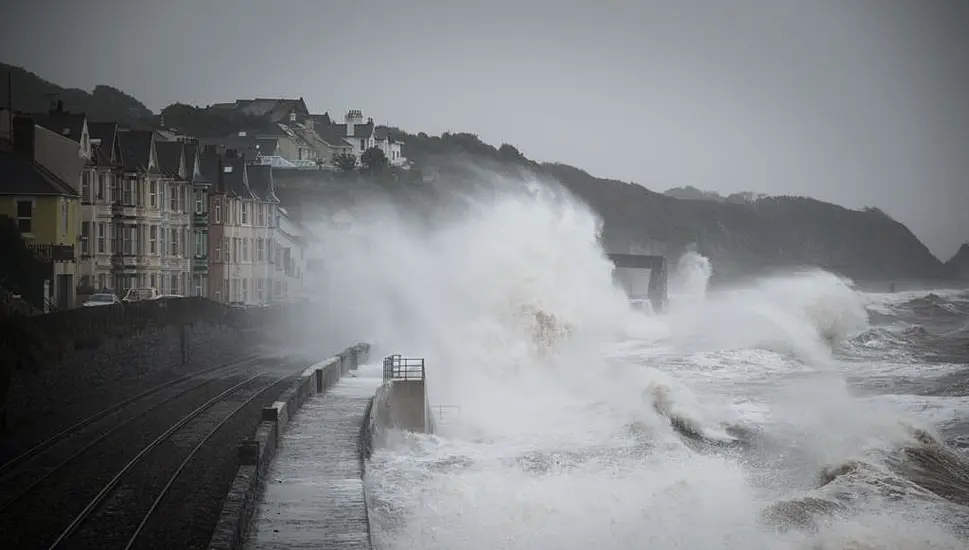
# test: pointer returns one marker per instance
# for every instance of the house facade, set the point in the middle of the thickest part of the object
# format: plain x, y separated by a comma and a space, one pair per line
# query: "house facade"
44, 204
241, 229
289, 261
101, 171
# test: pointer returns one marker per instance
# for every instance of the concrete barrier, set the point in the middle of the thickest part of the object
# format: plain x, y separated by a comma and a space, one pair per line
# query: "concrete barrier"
256, 453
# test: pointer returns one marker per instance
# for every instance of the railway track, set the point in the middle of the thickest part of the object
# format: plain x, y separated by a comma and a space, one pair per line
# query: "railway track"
80, 425
96, 492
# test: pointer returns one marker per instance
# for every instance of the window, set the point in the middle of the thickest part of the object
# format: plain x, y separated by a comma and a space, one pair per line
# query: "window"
228, 251
154, 280
260, 289
199, 201
174, 285
173, 198
25, 216
102, 231
127, 238
102, 282
198, 285
235, 249
262, 214
102, 184
218, 252
218, 211
245, 290
259, 250
130, 195
153, 194
200, 244
64, 213
86, 186
174, 242
245, 250
245, 213
85, 236
153, 239
363, 144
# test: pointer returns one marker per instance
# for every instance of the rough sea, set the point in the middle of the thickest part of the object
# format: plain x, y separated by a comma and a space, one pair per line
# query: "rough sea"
790, 412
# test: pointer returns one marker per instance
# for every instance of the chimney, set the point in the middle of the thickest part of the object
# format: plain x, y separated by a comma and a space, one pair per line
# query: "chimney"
23, 137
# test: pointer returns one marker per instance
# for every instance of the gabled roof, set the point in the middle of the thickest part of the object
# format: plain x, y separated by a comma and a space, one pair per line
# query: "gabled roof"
170, 157
209, 166
236, 180
104, 152
137, 150
19, 176
193, 168
69, 125
261, 181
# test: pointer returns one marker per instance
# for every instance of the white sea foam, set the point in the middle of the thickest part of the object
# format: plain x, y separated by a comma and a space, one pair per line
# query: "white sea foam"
569, 399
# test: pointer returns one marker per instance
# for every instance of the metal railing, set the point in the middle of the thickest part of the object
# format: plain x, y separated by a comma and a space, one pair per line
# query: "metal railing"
50, 253
403, 368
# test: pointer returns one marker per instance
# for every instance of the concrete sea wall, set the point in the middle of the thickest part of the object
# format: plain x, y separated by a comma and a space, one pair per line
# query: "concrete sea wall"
257, 452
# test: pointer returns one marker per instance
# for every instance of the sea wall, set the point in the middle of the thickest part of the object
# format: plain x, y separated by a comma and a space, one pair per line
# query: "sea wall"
55, 361
257, 452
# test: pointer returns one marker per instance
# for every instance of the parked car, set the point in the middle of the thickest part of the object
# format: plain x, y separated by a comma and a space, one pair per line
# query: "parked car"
139, 294
101, 299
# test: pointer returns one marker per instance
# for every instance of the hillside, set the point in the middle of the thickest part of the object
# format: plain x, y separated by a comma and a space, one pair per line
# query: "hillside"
743, 234
960, 262
32, 94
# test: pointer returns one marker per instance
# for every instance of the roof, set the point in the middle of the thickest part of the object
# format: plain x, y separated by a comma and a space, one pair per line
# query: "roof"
19, 176
209, 166
107, 133
69, 125
135, 149
169, 156
359, 130
104, 131
191, 156
261, 181
235, 178
330, 136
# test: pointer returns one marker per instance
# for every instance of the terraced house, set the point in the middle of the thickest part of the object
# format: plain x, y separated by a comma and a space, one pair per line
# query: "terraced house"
242, 219
39, 170
103, 168
150, 217
176, 218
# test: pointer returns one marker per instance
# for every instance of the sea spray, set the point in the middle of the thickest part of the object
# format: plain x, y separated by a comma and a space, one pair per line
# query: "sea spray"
560, 445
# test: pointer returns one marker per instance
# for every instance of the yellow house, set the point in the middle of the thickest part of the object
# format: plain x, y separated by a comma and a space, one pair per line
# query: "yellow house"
45, 209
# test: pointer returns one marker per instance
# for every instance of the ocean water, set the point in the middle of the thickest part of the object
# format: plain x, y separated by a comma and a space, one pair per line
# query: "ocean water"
792, 412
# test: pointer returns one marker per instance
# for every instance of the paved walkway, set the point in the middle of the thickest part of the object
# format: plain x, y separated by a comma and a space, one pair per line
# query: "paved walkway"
313, 496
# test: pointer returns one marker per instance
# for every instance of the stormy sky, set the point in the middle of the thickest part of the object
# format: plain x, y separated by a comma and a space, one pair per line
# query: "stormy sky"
851, 101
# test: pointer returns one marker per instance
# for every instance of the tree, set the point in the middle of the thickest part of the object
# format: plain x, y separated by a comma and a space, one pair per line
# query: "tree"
374, 159
346, 161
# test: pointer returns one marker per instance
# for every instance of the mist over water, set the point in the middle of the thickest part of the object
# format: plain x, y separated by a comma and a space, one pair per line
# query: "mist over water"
576, 421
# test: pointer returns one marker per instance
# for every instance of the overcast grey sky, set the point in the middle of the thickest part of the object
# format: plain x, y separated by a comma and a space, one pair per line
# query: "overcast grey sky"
854, 102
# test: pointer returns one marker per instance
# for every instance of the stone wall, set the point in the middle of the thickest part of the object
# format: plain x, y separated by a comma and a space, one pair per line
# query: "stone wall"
63, 358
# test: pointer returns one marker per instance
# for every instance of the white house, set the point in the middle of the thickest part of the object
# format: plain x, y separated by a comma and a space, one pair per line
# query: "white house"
290, 260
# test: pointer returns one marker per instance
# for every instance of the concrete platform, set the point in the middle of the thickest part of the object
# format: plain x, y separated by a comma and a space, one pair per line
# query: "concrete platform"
313, 495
